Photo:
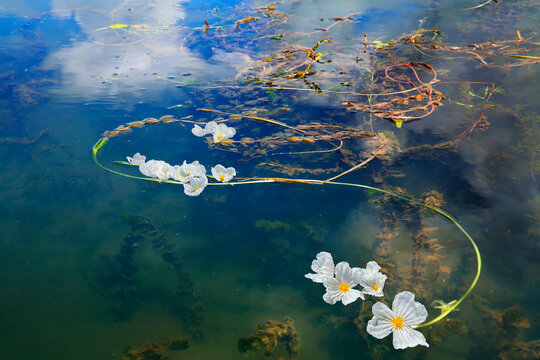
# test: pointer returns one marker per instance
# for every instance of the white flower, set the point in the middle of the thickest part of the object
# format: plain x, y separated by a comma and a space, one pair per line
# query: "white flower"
186, 172
209, 128
405, 312
323, 266
223, 132
156, 169
340, 288
371, 279
195, 186
220, 173
137, 159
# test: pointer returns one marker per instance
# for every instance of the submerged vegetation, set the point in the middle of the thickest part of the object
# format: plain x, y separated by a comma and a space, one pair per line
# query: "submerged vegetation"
268, 336
118, 274
154, 351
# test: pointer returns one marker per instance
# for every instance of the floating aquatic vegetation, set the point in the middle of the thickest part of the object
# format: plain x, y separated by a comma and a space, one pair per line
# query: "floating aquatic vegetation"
186, 172
137, 159
223, 174
398, 109
219, 132
268, 336
209, 128
222, 133
340, 287
399, 321
192, 176
323, 266
340, 280
407, 87
156, 169
371, 280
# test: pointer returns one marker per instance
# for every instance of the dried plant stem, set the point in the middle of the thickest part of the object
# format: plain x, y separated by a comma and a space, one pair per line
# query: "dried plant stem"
351, 169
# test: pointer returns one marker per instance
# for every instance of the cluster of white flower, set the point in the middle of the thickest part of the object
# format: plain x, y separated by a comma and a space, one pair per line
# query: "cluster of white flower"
219, 132
192, 176
339, 281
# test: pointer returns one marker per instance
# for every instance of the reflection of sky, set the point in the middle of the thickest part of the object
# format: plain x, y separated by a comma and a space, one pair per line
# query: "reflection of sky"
92, 66
116, 61
120, 61
102, 64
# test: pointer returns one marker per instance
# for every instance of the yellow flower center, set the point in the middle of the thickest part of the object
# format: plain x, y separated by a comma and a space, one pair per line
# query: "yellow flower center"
344, 287
376, 287
219, 137
197, 187
222, 177
397, 322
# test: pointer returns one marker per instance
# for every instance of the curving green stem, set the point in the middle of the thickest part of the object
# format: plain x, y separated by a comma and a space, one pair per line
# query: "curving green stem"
446, 308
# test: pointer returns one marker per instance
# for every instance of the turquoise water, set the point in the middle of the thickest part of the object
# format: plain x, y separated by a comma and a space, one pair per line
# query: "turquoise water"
91, 262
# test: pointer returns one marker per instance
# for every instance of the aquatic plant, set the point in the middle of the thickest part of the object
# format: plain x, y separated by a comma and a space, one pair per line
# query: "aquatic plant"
399, 320
404, 315
154, 351
323, 266
334, 292
223, 174
267, 337
119, 274
340, 287
371, 280
409, 93
219, 132
340, 280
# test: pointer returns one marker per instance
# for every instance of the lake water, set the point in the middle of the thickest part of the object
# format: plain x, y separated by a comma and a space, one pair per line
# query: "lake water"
95, 265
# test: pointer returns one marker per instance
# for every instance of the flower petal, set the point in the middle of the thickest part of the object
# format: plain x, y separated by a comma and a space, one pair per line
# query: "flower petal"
351, 296
222, 174
137, 159
198, 131
412, 313
380, 325
372, 266
408, 337
332, 296
210, 127
344, 274
382, 311
195, 186
331, 284
217, 171
222, 132
323, 264
371, 281
318, 278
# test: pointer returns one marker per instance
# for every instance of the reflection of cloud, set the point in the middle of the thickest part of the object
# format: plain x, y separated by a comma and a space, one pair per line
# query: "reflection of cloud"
120, 61
90, 68
114, 61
